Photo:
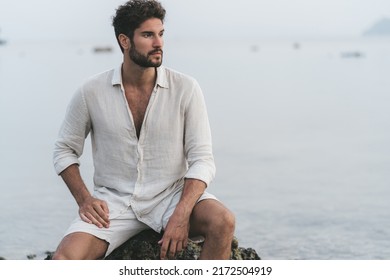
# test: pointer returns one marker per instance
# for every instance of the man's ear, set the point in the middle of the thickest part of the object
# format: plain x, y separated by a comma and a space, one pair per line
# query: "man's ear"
124, 41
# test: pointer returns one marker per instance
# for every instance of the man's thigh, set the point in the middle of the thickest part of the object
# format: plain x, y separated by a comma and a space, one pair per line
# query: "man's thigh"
93, 242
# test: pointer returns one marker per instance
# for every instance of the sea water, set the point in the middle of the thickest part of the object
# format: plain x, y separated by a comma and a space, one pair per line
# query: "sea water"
301, 136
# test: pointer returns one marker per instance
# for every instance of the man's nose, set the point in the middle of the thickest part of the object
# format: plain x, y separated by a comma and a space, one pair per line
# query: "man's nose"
158, 42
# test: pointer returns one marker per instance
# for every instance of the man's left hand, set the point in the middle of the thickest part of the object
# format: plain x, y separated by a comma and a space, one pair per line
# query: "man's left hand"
175, 236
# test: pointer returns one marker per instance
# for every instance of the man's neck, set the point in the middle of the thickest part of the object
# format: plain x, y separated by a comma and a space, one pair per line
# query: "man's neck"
138, 77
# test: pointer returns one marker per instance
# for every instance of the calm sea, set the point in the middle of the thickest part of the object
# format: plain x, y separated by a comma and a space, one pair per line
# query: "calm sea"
301, 138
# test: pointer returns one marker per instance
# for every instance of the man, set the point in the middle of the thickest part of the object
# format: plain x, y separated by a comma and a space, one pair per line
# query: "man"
151, 147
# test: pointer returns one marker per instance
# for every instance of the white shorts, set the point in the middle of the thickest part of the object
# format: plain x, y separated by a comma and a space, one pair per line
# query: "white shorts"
125, 225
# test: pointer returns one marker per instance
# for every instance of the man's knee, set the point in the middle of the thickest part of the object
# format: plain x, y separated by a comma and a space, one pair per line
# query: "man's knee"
59, 256
65, 253
223, 223
212, 219
229, 220
80, 246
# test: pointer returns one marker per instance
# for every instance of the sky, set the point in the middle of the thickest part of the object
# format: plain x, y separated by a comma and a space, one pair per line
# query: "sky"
88, 20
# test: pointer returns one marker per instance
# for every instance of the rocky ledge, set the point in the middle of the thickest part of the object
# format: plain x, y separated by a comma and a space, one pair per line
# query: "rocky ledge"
144, 247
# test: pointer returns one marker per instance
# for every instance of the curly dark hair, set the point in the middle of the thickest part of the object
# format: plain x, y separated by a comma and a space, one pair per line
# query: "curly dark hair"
133, 13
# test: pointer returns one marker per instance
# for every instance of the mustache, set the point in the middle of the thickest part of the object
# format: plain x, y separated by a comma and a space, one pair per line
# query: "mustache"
155, 51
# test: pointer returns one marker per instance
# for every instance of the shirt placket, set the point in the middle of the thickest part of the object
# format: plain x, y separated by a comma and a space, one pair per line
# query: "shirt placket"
139, 187
132, 202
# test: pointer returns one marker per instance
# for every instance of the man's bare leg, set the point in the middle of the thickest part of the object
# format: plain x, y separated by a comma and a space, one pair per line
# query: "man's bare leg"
80, 246
216, 223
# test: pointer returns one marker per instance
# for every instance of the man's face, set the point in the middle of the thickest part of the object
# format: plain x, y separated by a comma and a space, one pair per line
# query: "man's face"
147, 44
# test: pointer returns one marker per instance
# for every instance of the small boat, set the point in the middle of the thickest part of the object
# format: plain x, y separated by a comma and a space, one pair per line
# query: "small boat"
352, 54
102, 49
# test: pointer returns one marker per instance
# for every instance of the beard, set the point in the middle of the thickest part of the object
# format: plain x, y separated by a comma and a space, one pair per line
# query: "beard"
144, 60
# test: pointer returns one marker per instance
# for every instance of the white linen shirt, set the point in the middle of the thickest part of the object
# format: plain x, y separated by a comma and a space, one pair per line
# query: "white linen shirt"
144, 173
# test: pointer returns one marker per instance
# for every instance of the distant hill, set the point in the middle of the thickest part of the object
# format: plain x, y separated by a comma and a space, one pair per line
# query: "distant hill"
380, 28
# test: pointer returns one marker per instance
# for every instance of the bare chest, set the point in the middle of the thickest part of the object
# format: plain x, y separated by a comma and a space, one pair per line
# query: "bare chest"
138, 103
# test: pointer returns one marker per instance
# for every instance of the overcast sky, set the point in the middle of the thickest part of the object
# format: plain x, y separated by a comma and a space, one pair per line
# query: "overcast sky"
91, 19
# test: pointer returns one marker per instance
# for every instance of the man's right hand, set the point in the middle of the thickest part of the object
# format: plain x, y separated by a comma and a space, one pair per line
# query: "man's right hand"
91, 210
95, 211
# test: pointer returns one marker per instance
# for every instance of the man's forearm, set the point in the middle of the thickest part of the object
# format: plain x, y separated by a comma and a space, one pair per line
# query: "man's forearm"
72, 178
192, 191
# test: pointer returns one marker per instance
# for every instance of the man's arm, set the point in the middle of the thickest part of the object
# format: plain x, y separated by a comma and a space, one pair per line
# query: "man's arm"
176, 233
68, 148
201, 171
91, 210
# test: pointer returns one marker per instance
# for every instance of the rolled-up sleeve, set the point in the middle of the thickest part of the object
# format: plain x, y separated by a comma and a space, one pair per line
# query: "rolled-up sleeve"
197, 139
71, 138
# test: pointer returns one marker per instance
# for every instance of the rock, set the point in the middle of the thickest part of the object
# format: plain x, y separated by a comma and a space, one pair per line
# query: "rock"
31, 256
144, 247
